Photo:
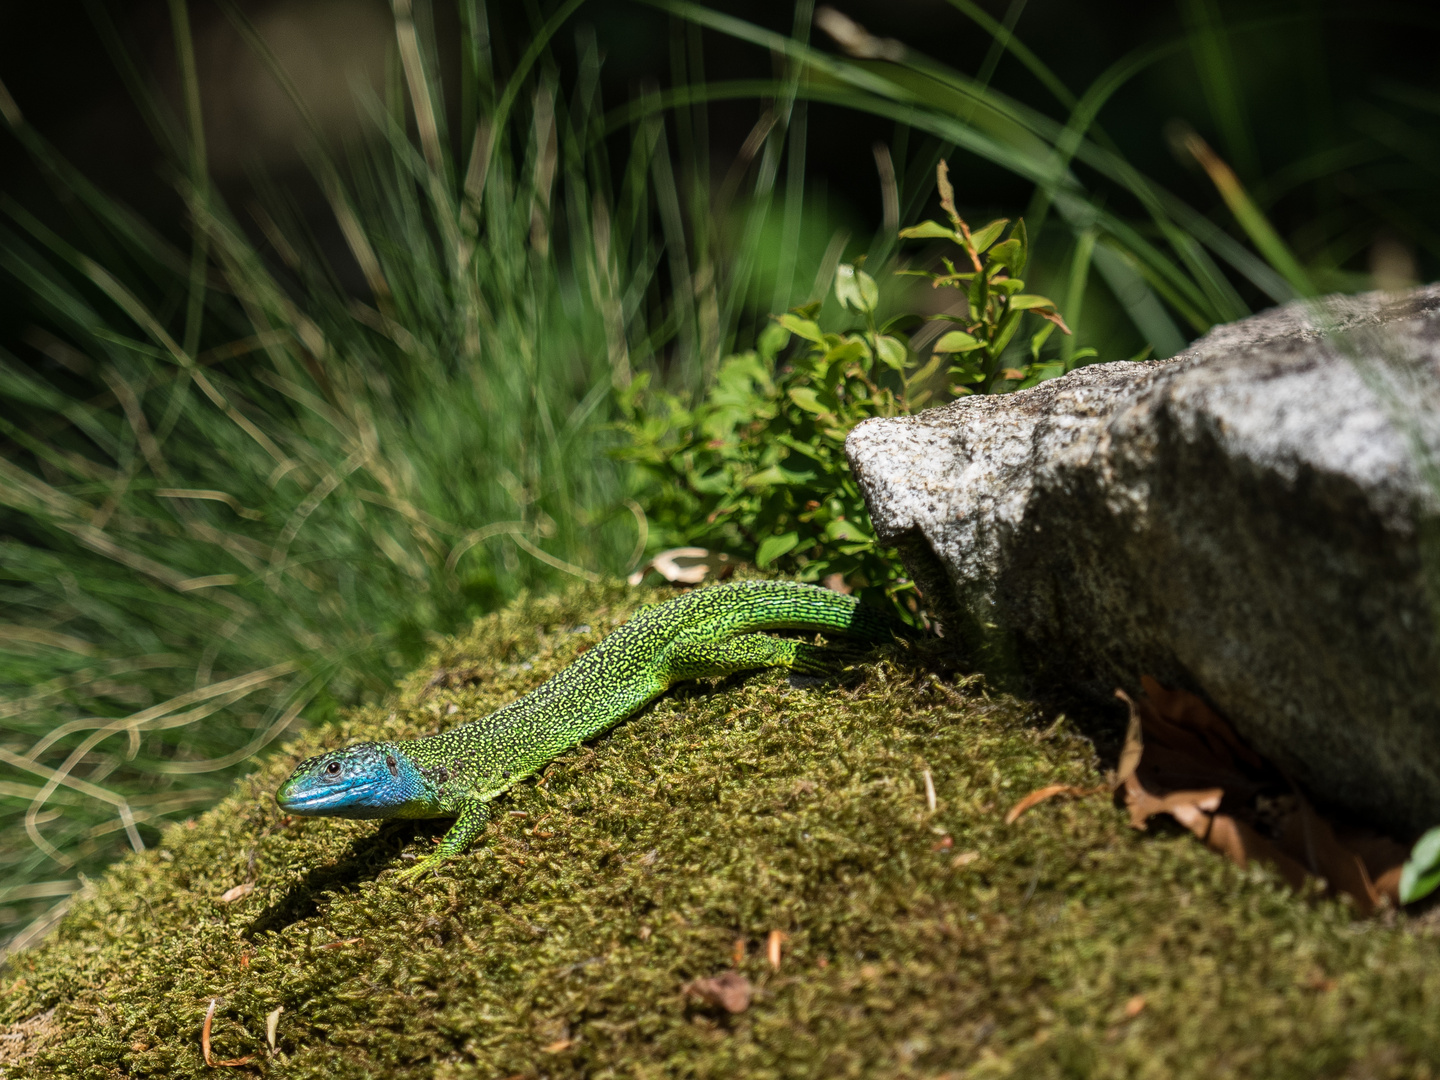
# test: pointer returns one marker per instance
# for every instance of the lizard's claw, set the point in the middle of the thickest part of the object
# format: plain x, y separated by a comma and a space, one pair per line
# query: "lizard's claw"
418, 869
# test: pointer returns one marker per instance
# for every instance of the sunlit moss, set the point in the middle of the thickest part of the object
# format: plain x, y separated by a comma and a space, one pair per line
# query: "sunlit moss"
722, 813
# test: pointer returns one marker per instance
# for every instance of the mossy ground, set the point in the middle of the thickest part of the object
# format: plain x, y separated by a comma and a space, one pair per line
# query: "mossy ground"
559, 947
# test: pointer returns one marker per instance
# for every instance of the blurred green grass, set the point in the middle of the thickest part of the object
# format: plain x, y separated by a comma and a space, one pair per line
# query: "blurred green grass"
239, 491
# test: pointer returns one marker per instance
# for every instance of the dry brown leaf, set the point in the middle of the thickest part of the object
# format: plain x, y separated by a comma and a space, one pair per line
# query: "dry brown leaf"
686, 566
1181, 758
1134, 743
205, 1045
965, 858
1041, 794
739, 951
558, 1046
772, 947
229, 896
729, 990
1134, 1006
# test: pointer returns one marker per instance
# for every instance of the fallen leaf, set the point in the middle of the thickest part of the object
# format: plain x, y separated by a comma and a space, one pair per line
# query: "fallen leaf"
342, 944
686, 566
965, 858
1134, 744
1182, 759
1041, 794
739, 951
272, 1024
239, 892
1319, 982
729, 990
1134, 1006
558, 1046
205, 1045
772, 947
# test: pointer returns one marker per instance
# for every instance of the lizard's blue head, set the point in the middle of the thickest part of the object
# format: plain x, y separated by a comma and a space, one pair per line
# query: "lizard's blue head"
367, 780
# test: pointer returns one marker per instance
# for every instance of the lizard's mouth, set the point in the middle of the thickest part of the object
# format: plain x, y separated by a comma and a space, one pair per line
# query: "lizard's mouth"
355, 799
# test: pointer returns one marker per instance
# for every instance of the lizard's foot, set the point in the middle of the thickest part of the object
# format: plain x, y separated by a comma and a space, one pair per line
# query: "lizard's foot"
419, 868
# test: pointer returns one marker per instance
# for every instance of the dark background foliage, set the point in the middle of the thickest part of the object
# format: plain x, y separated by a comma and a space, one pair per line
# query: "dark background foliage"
1307, 85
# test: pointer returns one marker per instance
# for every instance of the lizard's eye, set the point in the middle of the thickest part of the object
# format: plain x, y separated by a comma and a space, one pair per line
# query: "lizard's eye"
333, 768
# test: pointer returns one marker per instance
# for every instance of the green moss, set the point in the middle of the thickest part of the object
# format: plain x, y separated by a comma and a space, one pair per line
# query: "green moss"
559, 948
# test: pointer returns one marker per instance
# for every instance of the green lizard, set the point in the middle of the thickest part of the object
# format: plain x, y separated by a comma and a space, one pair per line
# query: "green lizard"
457, 773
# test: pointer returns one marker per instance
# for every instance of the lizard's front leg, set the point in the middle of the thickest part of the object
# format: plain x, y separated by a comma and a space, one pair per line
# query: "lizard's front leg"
698, 658
468, 827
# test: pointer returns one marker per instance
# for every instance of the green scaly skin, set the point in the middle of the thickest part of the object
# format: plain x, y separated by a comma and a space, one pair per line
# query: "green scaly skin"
457, 773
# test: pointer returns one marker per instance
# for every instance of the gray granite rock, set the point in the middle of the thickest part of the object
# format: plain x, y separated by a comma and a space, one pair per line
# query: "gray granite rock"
1256, 520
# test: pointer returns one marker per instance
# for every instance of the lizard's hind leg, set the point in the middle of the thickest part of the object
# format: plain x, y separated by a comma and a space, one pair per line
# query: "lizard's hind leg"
694, 659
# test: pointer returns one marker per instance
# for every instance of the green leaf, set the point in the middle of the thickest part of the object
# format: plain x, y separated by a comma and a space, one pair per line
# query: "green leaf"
804, 328
847, 530
772, 339
1038, 340
775, 476
956, 341
978, 295
983, 238
808, 399
1006, 253
891, 352
850, 349
1030, 302
1420, 875
929, 230
772, 547
1038, 373
902, 324
869, 291
919, 378
855, 288
846, 290
1018, 234
1004, 332
1083, 354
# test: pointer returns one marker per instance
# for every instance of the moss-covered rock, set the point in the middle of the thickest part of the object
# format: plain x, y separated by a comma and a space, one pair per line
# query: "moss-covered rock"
917, 943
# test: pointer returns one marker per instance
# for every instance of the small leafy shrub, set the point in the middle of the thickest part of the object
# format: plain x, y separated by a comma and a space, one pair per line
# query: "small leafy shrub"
757, 467
995, 303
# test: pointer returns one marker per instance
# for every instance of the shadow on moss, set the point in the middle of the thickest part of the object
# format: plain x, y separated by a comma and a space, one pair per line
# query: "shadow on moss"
917, 942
